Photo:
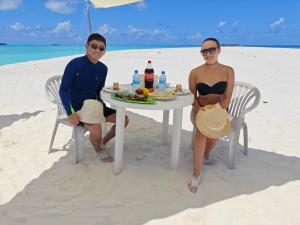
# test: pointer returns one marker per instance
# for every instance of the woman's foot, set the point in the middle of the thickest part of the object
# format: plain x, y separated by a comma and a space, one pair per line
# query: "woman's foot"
194, 183
207, 160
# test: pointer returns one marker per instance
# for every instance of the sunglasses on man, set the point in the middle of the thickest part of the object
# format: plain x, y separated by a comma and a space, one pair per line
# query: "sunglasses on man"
99, 47
211, 50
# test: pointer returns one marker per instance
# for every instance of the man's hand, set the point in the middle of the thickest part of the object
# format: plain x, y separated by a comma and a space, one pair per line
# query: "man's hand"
74, 119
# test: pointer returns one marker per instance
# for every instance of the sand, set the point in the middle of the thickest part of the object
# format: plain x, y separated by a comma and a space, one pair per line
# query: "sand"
41, 188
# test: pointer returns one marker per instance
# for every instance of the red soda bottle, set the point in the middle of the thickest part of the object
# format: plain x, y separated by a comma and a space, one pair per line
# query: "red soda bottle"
149, 75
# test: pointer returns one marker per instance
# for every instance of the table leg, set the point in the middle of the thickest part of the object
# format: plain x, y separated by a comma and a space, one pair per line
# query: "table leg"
165, 126
177, 122
119, 140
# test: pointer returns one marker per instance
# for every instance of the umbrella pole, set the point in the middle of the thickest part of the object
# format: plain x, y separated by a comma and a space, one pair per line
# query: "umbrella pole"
89, 16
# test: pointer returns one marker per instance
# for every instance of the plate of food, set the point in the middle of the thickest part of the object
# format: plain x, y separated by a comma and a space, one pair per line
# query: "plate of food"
181, 92
178, 90
114, 88
133, 98
163, 96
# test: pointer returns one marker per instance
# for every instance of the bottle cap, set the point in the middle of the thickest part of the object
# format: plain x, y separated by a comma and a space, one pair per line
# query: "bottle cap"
136, 71
163, 72
149, 61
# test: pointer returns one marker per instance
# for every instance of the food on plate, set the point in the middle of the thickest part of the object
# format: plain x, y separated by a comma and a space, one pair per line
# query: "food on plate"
178, 88
163, 95
116, 86
142, 91
130, 96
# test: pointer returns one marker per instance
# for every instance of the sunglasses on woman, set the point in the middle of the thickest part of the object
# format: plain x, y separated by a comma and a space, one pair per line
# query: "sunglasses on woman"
211, 50
99, 47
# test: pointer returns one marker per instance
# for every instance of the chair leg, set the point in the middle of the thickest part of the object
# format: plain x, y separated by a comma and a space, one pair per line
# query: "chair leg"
53, 136
233, 143
104, 129
79, 139
245, 132
232, 149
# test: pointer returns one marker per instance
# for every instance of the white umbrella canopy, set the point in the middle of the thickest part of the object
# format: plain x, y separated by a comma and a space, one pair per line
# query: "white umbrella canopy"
111, 3
107, 4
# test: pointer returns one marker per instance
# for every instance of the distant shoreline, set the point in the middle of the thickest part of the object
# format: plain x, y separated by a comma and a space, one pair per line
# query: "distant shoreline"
24, 53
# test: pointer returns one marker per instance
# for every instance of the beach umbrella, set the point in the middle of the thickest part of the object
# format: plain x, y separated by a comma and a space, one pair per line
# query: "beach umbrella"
106, 4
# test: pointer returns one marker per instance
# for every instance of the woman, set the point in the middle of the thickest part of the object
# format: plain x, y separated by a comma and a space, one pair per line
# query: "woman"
211, 83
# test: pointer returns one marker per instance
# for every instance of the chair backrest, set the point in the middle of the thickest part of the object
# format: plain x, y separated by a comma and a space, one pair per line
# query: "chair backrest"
52, 92
245, 97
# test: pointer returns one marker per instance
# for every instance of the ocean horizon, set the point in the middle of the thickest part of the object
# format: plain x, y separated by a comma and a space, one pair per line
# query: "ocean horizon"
10, 54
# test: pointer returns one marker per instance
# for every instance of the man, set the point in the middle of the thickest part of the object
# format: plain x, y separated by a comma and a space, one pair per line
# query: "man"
83, 78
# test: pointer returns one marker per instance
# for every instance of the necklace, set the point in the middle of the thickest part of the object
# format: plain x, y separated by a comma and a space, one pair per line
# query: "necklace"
212, 64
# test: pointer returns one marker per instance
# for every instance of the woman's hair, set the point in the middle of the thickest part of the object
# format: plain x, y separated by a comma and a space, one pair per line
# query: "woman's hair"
212, 39
96, 36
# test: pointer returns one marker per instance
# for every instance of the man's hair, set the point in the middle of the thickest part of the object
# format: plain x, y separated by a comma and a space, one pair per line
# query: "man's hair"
212, 39
96, 36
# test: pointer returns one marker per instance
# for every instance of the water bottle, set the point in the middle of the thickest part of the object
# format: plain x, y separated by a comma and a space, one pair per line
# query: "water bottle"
149, 75
162, 82
135, 81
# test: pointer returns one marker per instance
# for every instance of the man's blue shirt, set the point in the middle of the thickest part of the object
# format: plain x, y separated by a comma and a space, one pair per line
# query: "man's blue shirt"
82, 80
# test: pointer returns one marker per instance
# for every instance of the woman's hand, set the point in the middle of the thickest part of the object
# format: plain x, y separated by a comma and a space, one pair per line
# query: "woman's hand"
74, 119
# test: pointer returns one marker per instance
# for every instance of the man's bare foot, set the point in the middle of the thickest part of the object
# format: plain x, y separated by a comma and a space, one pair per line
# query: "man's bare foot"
105, 156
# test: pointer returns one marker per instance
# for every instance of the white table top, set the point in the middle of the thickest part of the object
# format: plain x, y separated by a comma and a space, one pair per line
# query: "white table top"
177, 103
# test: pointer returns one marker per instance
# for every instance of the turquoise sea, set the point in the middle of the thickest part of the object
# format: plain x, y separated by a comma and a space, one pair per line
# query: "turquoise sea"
21, 53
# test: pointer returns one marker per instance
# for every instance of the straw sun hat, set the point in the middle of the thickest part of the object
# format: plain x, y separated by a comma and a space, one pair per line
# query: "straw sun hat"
91, 112
213, 121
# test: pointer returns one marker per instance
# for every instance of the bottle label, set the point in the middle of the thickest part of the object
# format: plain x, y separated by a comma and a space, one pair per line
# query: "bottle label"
149, 76
162, 80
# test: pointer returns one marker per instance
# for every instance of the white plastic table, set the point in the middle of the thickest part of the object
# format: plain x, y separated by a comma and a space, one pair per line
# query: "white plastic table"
176, 105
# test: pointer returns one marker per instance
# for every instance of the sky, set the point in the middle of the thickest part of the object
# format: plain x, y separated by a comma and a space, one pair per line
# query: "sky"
152, 22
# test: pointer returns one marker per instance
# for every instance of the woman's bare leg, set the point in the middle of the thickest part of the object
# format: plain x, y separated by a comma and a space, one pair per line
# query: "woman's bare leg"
198, 153
210, 144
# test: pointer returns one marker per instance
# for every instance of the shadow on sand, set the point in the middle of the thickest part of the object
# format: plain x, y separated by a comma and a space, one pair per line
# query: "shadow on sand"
7, 120
89, 193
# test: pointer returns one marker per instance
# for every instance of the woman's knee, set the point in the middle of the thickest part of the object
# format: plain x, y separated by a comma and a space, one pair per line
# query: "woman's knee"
200, 136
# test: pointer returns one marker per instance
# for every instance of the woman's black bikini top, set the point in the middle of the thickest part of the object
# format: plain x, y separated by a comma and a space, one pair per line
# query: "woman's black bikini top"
218, 88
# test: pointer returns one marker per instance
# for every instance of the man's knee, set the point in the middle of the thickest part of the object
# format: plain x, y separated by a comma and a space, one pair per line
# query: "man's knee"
96, 131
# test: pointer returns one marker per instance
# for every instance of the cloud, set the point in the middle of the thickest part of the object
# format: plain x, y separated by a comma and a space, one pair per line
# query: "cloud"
235, 26
278, 25
141, 5
63, 28
17, 26
61, 6
10, 4
220, 26
195, 36
107, 30
149, 33
135, 31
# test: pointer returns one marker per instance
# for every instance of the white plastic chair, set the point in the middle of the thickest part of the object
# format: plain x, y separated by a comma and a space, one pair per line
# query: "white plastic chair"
52, 92
245, 98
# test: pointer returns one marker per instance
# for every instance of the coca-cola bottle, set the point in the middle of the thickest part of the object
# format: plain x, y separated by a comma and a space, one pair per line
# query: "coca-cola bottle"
149, 75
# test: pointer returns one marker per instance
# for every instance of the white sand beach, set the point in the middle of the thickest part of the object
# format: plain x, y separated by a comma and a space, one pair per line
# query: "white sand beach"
37, 188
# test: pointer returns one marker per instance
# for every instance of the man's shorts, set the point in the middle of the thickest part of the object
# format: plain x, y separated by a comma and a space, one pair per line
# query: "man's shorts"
107, 111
